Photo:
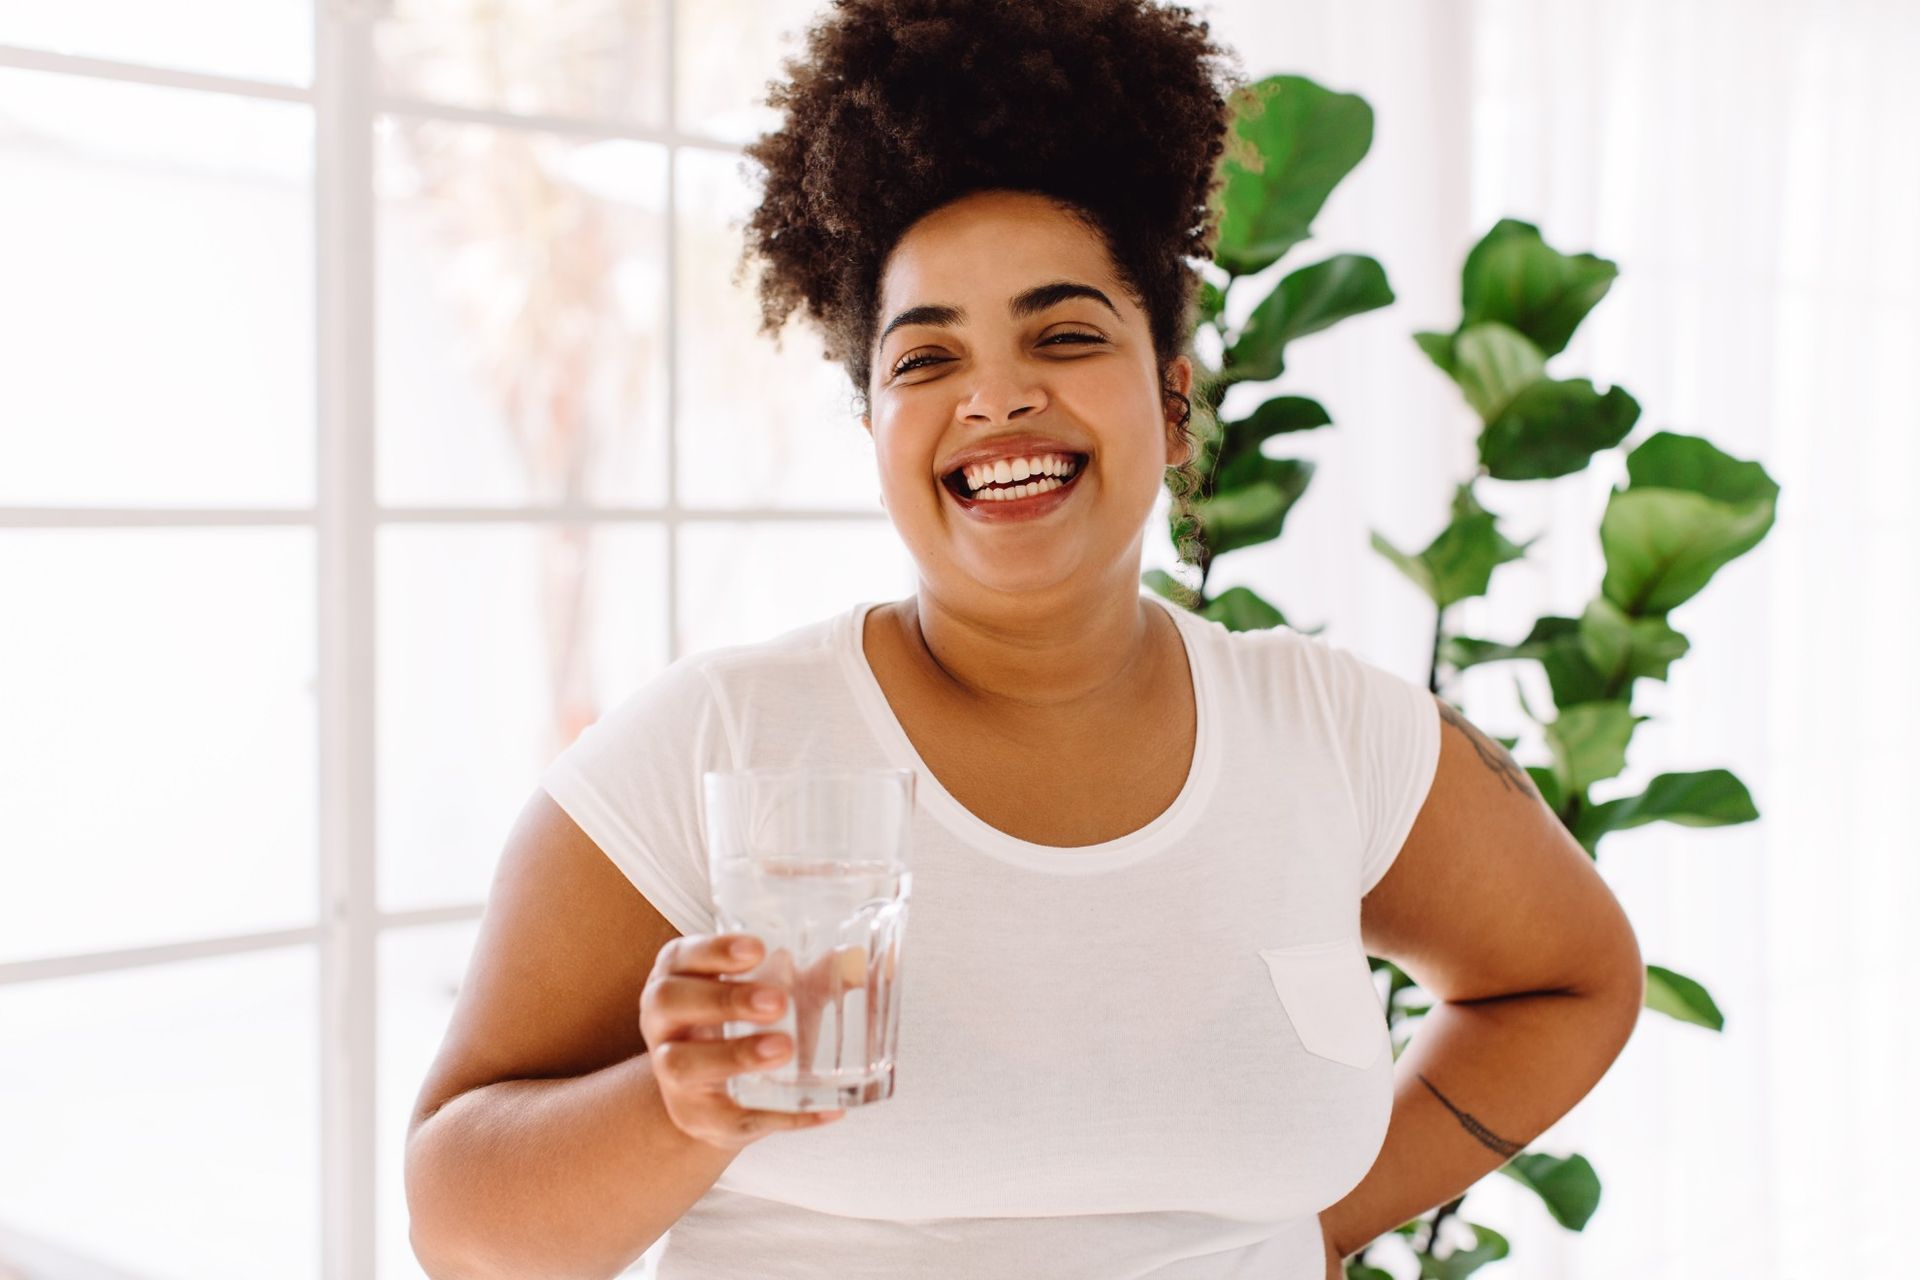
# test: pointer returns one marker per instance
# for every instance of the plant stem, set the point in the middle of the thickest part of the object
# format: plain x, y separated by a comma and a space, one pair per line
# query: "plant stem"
1433, 662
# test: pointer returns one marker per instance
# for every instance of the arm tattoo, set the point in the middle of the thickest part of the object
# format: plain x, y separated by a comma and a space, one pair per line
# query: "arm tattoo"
1486, 1137
1491, 753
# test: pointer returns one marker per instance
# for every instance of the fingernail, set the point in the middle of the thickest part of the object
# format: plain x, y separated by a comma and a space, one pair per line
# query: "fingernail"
768, 1048
741, 949
766, 1000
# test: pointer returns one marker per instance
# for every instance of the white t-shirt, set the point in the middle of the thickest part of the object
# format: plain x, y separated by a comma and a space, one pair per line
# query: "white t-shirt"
1160, 1056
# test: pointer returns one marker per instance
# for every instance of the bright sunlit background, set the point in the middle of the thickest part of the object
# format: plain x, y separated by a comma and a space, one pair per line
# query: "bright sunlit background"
376, 407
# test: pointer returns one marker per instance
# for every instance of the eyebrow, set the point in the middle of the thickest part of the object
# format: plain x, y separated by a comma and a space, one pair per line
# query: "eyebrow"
1027, 302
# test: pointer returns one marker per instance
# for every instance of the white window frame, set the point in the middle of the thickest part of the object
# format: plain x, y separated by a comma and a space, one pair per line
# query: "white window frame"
346, 517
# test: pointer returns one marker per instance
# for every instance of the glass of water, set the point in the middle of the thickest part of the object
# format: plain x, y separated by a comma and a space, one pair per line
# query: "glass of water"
813, 862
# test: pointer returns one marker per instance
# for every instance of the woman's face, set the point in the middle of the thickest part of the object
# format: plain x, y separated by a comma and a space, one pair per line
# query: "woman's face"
1002, 361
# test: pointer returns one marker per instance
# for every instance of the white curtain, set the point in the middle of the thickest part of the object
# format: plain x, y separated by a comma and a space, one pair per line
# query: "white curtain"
1752, 167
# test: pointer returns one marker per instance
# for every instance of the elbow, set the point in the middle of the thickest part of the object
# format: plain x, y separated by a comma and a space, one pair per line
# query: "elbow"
437, 1228
450, 1229
1620, 984
438, 1264
1630, 969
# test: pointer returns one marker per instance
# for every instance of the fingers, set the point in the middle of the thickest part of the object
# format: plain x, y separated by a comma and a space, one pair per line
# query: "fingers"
693, 1074
687, 1002
710, 954
694, 990
700, 983
694, 1064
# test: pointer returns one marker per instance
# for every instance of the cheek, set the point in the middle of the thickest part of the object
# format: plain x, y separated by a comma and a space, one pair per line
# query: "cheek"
903, 454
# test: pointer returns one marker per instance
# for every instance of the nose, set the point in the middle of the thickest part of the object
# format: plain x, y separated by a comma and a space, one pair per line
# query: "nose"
1002, 394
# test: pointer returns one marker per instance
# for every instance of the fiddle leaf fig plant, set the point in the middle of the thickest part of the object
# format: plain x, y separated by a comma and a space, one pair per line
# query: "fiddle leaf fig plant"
1686, 510
1291, 144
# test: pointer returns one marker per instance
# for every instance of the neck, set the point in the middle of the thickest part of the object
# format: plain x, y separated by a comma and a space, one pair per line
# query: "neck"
1080, 653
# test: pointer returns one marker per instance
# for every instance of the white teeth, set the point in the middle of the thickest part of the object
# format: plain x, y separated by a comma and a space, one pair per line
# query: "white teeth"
1008, 470
1020, 490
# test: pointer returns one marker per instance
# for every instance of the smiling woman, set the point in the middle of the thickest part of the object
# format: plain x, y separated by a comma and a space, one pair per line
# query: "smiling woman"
1140, 1039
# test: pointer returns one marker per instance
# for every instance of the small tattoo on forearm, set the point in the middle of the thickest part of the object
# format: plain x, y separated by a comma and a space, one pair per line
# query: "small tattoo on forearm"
1486, 1137
1491, 753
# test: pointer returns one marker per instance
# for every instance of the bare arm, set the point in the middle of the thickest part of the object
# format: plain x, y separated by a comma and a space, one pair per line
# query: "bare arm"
573, 1177
1500, 915
539, 1145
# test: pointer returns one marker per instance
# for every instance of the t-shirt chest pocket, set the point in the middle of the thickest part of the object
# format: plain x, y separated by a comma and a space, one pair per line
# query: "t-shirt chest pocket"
1326, 989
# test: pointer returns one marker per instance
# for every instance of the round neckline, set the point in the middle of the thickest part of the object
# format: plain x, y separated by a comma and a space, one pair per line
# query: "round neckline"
1108, 855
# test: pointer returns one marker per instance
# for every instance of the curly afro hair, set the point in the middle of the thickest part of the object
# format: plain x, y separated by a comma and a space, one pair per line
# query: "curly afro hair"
1118, 110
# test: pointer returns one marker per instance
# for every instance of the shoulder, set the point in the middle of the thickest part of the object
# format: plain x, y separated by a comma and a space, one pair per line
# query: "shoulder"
696, 693
704, 672
1306, 674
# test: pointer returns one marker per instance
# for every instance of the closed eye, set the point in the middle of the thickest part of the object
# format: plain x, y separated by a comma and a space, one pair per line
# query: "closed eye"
915, 362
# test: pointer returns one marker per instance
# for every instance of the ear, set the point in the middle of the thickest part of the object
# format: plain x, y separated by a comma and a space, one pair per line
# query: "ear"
1180, 378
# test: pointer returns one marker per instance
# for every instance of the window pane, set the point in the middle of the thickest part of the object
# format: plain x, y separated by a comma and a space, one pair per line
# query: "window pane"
157, 306
164, 1121
251, 39
595, 58
497, 646
157, 763
725, 52
741, 583
522, 292
757, 427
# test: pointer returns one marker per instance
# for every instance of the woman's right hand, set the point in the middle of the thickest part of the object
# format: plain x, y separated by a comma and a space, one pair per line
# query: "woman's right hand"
682, 1009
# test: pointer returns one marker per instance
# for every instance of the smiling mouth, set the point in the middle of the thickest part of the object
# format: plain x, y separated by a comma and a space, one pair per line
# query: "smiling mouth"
955, 483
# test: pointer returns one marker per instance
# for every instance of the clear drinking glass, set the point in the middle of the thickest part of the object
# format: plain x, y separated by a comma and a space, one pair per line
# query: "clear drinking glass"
813, 862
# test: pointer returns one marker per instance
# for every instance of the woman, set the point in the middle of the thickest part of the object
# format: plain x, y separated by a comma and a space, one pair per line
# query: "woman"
1140, 1038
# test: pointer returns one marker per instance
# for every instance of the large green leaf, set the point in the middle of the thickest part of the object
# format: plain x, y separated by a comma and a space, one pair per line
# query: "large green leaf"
1242, 609
1548, 631
1305, 301
1567, 1185
1489, 1246
1573, 678
1293, 142
1622, 649
1555, 643
1553, 429
1493, 363
1274, 417
1459, 563
1663, 545
1689, 509
1439, 349
1589, 742
1669, 460
1681, 998
1514, 277
1708, 798
1254, 508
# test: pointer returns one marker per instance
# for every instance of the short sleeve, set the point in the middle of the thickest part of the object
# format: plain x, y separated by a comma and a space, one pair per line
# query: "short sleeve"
632, 782
1388, 729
